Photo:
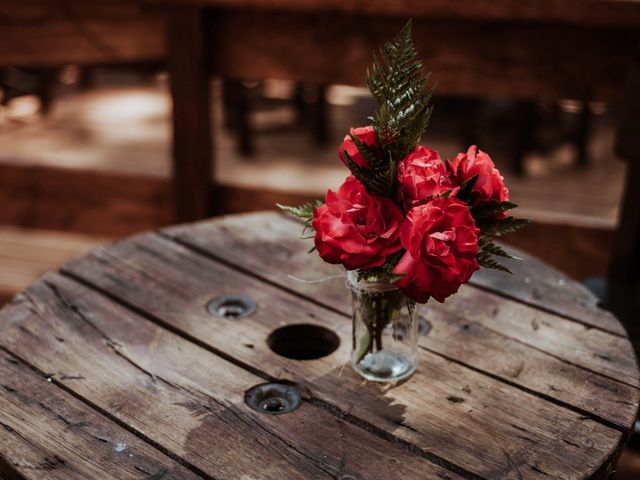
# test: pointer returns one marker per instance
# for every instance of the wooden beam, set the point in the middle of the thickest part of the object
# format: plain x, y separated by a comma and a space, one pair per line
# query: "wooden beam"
516, 60
90, 202
616, 13
192, 139
46, 33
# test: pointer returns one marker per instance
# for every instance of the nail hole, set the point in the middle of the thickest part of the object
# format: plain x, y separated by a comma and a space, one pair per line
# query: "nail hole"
303, 341
273, 398
231, 306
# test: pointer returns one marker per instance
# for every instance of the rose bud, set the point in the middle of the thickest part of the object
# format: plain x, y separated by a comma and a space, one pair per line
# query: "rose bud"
490, 184
366, 135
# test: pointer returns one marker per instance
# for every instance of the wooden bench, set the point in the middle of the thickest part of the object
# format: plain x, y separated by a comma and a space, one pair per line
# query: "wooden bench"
26, 254
536, 50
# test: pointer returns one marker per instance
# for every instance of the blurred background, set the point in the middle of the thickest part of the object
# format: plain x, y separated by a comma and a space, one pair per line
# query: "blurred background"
118, 117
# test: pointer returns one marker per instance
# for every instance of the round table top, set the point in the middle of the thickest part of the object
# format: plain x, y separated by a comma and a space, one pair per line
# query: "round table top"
114, 368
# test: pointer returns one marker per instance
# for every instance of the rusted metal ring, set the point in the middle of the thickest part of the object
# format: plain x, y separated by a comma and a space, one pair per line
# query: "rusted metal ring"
273, 398
231, 306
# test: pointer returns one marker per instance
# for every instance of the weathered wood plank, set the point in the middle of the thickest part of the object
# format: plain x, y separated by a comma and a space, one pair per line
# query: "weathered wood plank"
184, 398
41, 32
563, 241
544, 287
461, 415
267, 245
25, 254
48, 434
83, 201
616, 13
279, 236
462, 55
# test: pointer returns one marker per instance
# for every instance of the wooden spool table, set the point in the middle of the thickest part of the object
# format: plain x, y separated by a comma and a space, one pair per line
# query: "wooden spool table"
114, 368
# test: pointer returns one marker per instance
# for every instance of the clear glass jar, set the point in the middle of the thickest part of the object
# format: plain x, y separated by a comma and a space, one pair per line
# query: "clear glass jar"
385, 331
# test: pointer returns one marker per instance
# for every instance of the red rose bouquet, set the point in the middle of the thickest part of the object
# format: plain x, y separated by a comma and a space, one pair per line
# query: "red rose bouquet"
407, 225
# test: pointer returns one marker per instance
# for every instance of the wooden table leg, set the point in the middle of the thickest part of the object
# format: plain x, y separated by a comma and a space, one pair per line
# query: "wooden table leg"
192, 136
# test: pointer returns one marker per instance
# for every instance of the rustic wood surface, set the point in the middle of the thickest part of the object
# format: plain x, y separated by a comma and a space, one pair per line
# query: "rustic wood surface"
616, 13
46, 32
113, 368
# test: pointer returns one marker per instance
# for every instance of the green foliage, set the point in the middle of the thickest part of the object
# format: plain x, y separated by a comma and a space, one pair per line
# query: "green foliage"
464, 193
492, 227
305, 213
383, 273
487, 261
498, 228
489, 210
488, 246
398, 84
379, 176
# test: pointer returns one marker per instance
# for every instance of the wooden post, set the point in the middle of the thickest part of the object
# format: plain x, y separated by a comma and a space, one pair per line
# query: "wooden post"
192, 138
624, 271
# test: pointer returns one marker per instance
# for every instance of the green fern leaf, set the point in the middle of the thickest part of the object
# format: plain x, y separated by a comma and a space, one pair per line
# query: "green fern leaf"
304, 212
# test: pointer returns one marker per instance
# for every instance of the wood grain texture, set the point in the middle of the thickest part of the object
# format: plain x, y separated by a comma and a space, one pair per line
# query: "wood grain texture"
531, 355
444, 406
184, 399
531, 61
83, 201
43, 32
533, 282
26, 254
590, 12
47, 434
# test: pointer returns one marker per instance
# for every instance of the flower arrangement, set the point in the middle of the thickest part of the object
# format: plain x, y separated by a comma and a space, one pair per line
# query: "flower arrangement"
404, 217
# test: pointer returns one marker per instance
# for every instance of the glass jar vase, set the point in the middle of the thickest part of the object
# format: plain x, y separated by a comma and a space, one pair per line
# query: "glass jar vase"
385, 330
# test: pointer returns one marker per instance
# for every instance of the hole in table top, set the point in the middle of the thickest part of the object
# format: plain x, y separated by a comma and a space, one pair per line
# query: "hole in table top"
273, 398
231, 306
303, 341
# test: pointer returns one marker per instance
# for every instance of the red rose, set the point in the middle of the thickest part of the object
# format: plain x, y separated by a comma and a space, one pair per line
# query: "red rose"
366, 135
421, 174
356, 228
490, 184
441, 240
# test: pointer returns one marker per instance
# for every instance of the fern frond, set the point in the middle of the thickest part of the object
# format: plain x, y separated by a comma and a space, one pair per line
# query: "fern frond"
490, 210
304, 212
398, 84
492, 248
501, 227
486, 260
